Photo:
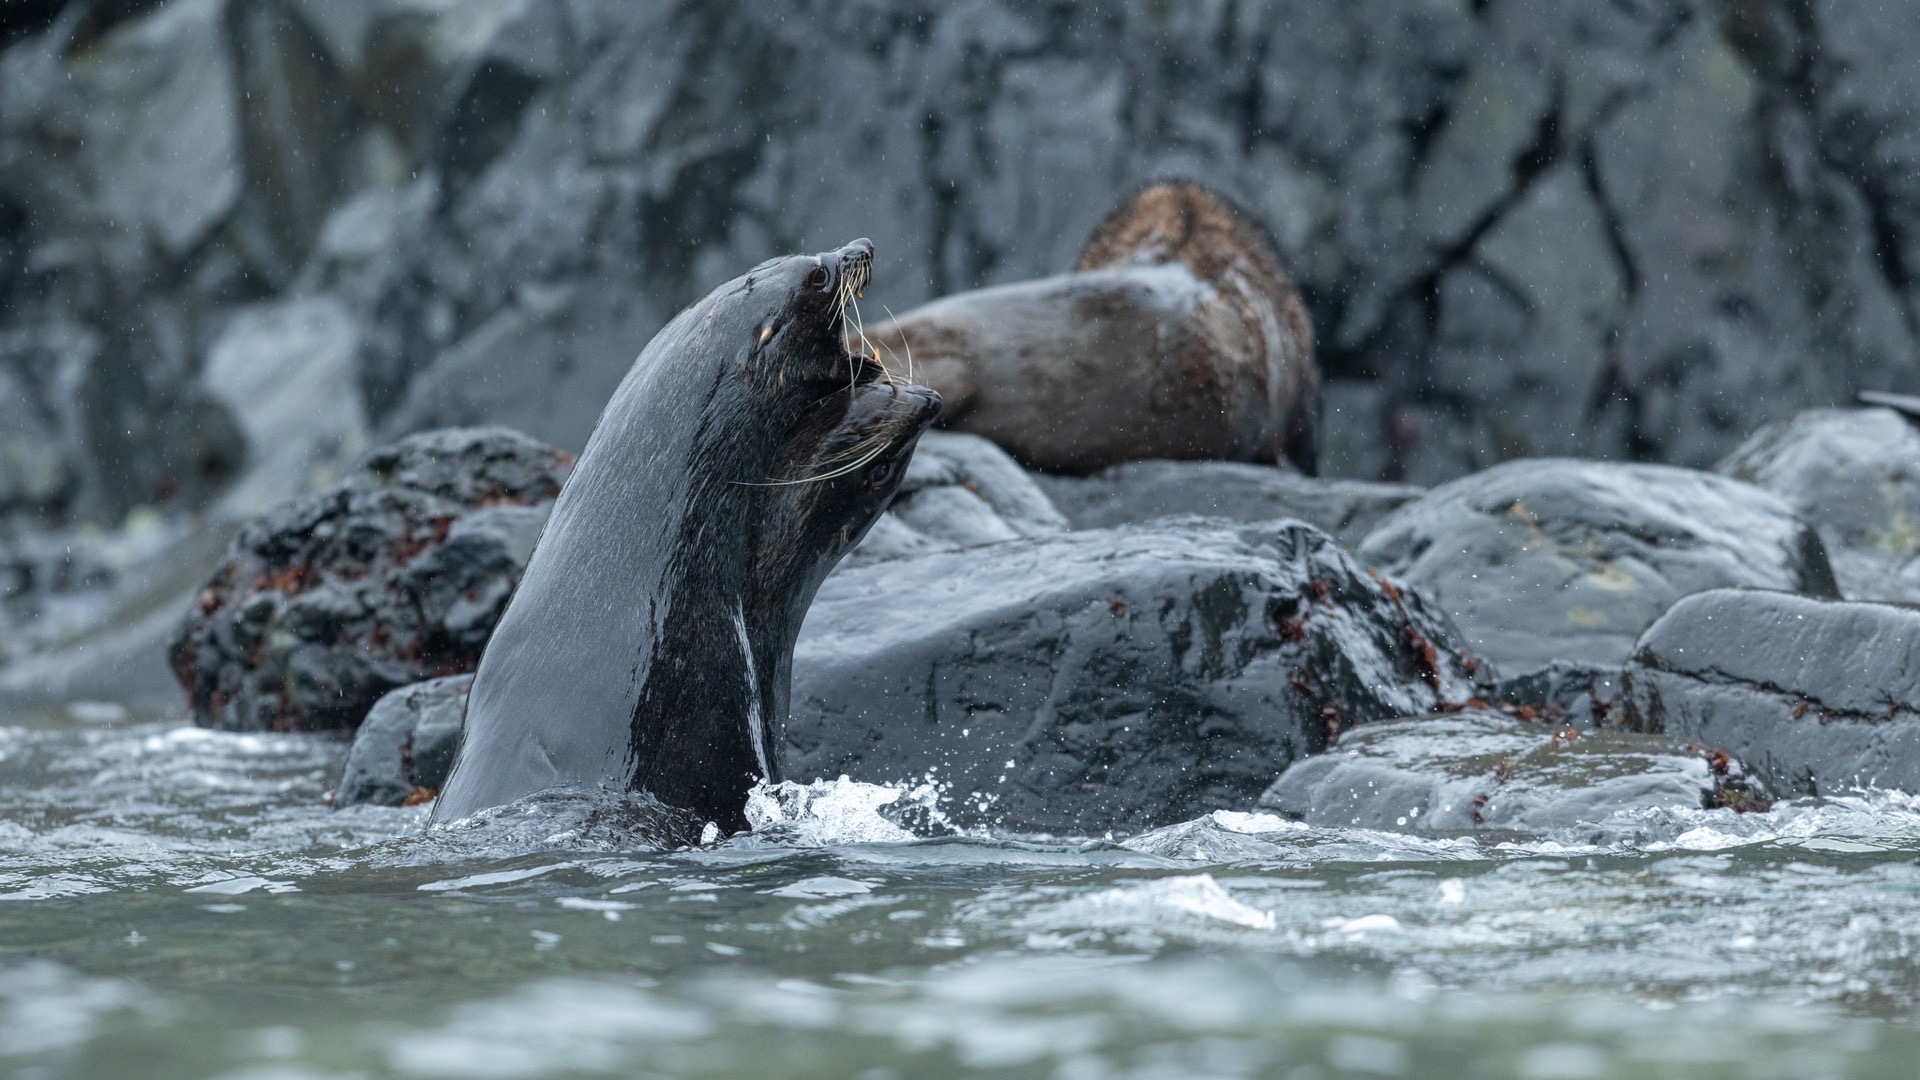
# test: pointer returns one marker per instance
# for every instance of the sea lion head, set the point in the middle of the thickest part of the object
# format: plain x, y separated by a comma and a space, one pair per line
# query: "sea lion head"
791, 313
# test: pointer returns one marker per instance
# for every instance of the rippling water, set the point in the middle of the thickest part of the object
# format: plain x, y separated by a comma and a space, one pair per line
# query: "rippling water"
175, 902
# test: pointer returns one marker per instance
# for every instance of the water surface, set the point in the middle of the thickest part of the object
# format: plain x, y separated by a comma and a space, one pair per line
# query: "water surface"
181, 903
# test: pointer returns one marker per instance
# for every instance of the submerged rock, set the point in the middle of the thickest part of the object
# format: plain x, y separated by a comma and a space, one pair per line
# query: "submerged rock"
397, 573
1482, 769
960, 491
404, 749
1855, 474
1818, 697
1144, 490
1109, 679
1554, 559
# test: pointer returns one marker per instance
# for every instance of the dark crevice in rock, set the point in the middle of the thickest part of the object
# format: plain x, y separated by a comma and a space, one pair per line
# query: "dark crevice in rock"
1887, 246
482, 124
1803, 705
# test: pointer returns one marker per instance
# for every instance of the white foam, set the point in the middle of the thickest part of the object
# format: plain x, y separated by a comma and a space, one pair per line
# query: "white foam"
830, 812
1149, 905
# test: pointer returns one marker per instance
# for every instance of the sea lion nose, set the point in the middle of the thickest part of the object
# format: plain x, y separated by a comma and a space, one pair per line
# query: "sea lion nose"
856, 261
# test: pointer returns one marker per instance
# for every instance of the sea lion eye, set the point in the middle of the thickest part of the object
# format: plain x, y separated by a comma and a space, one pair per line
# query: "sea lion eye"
820, 278
881, 473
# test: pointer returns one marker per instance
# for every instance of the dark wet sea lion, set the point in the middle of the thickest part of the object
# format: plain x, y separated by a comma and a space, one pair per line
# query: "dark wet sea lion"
648, 644
1177, 335
809, 524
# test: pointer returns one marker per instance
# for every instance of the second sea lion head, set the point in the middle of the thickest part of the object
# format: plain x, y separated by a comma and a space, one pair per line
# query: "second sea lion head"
842, 467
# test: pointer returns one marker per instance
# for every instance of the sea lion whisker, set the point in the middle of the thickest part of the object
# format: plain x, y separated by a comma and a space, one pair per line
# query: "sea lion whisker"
860, 327
904, 343
867, 450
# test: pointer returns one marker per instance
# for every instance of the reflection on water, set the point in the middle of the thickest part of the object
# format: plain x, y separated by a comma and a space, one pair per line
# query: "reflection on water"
176, 902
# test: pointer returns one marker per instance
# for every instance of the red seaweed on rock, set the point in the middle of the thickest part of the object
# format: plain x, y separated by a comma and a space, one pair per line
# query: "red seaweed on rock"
396, 574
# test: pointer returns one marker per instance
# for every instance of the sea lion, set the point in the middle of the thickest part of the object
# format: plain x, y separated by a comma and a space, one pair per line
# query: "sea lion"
649, 642
1177, 335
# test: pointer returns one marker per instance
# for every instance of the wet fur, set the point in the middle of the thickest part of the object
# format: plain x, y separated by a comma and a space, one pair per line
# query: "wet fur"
641, 649
1178, 335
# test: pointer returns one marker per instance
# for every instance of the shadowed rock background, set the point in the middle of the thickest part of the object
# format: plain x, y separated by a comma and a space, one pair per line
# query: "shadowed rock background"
251, 238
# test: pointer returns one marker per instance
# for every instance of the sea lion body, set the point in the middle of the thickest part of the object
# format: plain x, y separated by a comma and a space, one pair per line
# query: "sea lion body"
1178, 335
640, 650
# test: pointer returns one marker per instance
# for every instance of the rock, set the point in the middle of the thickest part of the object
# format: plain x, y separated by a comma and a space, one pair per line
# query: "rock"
1480, 769
303, 138
959, 491
1141, 491
1618, 230
289, 371
1545, 560
162, 122
1516, 330
1855, 474
1563, 692
404, 749
1863, 109
1737, 268
1109, 679
33, 474
397, 573
1818, 697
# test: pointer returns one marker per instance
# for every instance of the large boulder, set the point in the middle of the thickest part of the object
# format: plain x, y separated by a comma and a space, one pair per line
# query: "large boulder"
1550, 559
1110, 679
1818, 697
1855, 474
1083, 683
1479, 769
397, 573
1144, 490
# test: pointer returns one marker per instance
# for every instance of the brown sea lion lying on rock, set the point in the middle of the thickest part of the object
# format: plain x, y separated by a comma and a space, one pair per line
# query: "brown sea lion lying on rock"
1177, 335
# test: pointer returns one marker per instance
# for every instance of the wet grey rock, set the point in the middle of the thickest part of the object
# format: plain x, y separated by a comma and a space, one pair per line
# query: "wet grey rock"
289, 372
1818, 697
960, 491
161, 123
33, 474
1615, 230
1563, 692
404, 749
1480, 769
1864, 114
1551, 559
1109, 679
1145, 490
397, 573
1855, 474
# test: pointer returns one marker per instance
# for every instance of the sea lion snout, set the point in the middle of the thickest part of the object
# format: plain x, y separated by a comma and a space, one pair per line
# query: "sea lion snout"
923, 401
844, 271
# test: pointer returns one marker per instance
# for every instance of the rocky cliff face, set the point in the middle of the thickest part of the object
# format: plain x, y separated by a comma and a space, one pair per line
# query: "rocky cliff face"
1625, 230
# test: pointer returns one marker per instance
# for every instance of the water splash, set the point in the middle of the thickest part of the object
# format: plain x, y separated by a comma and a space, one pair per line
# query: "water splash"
826, 813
